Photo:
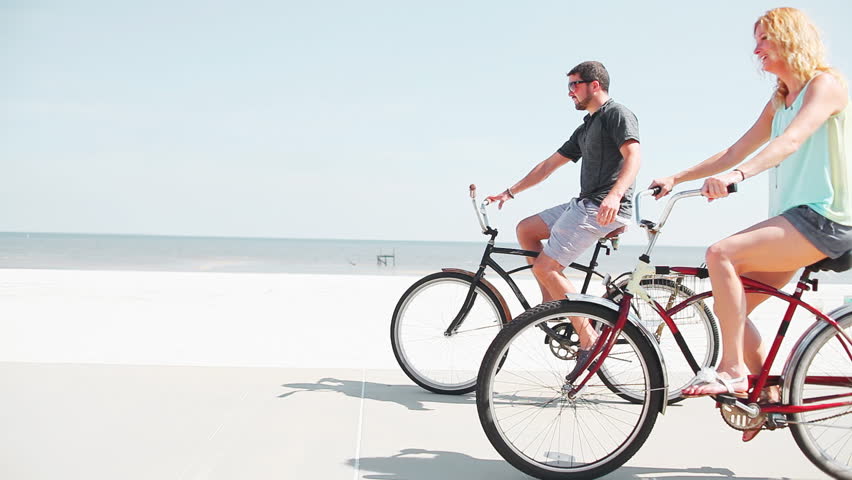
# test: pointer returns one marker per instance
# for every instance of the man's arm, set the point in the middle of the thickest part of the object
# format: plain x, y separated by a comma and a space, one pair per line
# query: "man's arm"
536, 176
629, 169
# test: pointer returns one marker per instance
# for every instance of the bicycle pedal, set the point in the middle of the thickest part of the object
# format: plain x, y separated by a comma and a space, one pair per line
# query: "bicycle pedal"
726, 399
776, 420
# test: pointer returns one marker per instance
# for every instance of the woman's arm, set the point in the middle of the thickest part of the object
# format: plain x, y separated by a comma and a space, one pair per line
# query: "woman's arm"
825, 97
756, 136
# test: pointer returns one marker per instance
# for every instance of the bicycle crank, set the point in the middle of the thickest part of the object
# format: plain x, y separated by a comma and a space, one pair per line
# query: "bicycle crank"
566, 345
739, 420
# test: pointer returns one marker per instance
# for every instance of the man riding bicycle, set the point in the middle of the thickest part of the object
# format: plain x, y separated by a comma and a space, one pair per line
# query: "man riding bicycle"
608, 143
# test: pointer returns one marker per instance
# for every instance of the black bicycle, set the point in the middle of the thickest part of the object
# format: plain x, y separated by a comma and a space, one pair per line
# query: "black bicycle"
443, 324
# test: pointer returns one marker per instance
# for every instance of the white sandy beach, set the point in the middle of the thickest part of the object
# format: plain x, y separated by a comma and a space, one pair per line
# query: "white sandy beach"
109, 375
225, 319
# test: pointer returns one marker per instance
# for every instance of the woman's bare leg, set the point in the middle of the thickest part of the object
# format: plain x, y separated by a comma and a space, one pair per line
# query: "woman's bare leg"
771, 246
755, 347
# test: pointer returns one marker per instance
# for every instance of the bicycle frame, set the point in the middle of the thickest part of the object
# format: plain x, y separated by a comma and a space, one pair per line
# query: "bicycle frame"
488, 261
757, 382
752, 286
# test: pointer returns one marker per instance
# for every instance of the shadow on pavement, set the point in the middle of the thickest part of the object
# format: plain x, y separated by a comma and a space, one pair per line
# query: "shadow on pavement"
409, 396
421, 464
649, 473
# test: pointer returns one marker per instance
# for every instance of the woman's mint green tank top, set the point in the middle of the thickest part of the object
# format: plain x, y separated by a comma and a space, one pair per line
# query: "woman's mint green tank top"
819, 173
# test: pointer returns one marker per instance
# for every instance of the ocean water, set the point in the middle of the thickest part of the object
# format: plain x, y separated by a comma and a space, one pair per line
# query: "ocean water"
259, 255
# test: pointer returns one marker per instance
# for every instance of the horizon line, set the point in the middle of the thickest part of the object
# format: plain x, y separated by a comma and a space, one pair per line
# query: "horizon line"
242, 237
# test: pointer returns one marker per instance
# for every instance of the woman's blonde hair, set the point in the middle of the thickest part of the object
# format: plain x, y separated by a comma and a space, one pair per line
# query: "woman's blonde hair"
798, 41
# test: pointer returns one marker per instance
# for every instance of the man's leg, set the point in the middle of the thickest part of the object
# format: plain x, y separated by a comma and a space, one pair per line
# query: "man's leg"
549, 274
531, 231
573, 233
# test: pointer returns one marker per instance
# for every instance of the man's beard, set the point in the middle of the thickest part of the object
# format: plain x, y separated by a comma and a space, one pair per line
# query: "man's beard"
582, 104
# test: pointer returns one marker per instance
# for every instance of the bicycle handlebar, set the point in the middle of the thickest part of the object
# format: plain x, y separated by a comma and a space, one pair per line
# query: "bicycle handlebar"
732, 188
481, 216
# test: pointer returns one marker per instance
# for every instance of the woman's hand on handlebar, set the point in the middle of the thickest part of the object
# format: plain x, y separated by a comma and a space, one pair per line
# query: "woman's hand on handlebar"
717, 186
665, 184
501, 198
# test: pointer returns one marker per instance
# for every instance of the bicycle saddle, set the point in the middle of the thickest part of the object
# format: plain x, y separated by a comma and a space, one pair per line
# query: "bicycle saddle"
839, 264
618, 231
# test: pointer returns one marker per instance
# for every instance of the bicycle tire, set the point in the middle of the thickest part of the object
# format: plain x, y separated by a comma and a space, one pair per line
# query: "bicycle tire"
520, 399
824, 436
444, 364
695, 322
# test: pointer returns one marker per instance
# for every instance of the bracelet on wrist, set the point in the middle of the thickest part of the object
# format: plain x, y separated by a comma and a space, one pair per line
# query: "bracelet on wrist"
741, 173
509, 192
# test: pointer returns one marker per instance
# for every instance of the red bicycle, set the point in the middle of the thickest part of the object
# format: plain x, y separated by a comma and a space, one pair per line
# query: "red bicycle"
551, 426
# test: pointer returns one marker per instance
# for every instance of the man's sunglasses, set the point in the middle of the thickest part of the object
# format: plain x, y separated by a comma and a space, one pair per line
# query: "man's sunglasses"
573, 85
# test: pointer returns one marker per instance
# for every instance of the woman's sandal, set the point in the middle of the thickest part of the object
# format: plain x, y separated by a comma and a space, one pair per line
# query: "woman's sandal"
708, 376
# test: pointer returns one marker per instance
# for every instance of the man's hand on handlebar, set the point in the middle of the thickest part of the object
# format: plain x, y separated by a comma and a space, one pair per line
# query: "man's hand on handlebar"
665, 184
501, 198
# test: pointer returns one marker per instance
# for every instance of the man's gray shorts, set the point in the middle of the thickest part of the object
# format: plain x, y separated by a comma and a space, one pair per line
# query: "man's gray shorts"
574, 228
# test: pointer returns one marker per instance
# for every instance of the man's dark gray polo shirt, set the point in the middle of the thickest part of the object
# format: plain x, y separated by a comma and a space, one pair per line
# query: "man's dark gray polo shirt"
597, 142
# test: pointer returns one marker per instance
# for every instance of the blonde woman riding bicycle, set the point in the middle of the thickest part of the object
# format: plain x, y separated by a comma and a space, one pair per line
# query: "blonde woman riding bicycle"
804, 130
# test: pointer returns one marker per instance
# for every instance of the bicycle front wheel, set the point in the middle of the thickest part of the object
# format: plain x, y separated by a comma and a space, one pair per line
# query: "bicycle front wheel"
695, 323
441, 363
823, 376
534, 421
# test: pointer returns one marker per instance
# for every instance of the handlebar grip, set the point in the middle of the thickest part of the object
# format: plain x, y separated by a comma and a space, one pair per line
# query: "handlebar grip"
656, 190
732, 188
472, 191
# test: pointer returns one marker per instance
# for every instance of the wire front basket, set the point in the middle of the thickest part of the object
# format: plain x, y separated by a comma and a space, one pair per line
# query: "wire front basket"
669, 291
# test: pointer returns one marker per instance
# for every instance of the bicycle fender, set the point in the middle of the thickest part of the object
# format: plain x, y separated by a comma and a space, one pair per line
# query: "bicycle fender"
799, 348
488, 285
632, 318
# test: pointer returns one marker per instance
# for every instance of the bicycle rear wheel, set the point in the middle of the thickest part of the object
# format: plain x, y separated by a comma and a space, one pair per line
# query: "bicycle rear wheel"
526, 412
695, 322
435, 361
824, 376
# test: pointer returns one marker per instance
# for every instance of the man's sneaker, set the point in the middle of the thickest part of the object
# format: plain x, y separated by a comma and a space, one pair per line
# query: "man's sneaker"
582, 358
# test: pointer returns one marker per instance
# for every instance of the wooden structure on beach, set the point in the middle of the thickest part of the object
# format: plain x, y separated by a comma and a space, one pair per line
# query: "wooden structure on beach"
383, 259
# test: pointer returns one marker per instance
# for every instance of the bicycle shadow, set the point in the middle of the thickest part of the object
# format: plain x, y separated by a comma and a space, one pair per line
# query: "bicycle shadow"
423, 464
411, 397
706, 472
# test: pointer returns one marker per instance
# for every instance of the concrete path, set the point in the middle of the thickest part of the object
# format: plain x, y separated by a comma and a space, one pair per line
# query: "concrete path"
93, 422
82, 397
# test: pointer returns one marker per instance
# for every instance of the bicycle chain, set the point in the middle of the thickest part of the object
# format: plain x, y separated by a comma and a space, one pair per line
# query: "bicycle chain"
731, 419
822, 419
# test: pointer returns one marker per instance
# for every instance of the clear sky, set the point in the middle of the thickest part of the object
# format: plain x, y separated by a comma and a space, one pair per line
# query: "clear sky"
358, 120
